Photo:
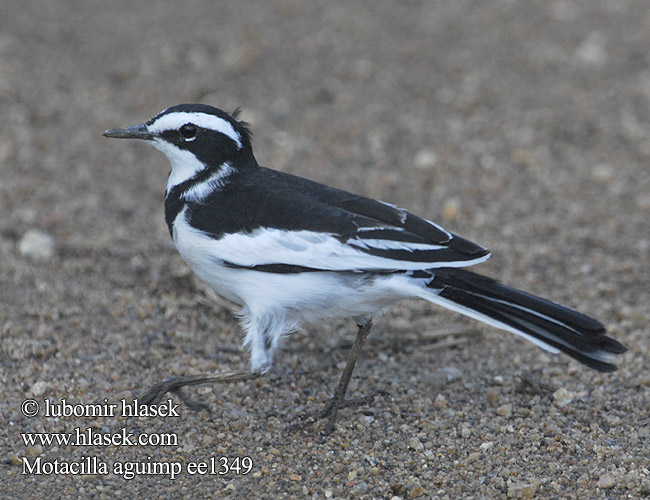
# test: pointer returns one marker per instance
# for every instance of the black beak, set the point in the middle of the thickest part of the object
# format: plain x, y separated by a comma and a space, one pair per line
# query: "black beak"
133, 132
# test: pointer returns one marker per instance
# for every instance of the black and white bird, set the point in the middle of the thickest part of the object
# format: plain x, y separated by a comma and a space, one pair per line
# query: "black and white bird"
293, 251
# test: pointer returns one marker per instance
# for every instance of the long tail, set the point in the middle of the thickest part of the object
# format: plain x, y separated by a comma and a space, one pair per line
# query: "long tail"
547, 324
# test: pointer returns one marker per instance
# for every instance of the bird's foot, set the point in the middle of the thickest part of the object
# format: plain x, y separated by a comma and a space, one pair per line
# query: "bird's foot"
331, 409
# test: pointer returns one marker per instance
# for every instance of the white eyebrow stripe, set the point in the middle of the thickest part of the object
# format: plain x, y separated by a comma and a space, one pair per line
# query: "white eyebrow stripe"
173, 121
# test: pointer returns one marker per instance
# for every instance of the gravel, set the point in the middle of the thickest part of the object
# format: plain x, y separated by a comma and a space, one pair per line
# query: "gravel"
524, 126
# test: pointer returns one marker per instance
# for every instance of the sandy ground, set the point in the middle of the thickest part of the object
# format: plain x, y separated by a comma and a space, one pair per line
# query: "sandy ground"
524, 126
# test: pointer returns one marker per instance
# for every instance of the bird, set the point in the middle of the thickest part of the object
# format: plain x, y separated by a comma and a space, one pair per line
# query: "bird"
290, 252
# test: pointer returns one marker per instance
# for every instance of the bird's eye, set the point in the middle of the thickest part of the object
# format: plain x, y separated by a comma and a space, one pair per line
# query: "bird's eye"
188, 131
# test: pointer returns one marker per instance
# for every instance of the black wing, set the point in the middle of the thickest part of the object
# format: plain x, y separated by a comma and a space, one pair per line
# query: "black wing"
279, 218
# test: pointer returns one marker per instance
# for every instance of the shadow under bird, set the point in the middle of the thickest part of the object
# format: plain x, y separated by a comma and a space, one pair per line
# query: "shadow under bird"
293, 251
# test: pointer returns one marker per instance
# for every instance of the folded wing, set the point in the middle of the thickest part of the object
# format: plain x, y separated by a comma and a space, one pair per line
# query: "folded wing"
292, 224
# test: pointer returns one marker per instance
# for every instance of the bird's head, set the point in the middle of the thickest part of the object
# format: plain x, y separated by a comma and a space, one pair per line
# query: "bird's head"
195, 138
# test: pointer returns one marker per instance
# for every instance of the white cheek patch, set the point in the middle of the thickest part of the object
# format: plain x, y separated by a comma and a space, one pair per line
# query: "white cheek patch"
174, 121
184, 164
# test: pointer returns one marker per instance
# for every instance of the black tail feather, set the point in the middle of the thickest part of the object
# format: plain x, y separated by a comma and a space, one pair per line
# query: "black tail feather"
545, 322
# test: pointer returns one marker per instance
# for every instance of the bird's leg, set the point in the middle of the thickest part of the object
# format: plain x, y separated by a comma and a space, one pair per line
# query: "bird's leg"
338, 400
175, 384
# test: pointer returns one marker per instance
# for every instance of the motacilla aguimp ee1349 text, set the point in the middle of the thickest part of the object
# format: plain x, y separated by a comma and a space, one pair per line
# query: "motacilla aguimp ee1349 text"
290, 250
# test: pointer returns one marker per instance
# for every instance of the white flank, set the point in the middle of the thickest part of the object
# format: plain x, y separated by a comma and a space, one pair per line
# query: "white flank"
174, 121
307, 249
274, 304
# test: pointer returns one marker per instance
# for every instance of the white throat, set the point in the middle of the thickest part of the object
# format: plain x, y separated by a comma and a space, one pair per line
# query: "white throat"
184, 164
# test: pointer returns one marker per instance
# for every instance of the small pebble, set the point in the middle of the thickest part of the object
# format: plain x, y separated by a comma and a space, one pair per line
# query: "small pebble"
361, 488
440, 401
443, 376
416, 491
493, 394
522, 490
505, 410
34, 451
563, 397
39, 388
36, 244
415, 444
425, 159
606, 481
602, 172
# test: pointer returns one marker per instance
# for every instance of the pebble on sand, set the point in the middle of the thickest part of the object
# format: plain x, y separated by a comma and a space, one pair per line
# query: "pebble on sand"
36, 244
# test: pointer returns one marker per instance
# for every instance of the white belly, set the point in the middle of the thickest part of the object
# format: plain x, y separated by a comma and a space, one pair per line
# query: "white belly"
307, 296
